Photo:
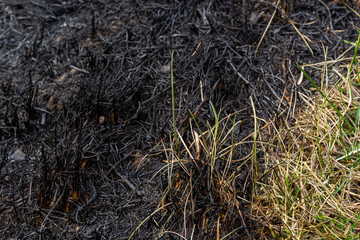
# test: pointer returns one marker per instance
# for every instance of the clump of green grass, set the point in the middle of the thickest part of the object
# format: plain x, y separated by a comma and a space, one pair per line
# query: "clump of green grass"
203, 168
202, 172
311, 183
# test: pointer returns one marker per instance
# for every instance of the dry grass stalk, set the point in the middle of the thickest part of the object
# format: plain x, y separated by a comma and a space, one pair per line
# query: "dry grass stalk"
311, 180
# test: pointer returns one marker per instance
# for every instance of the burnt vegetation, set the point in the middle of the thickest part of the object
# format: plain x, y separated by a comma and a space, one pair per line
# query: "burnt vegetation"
85, 110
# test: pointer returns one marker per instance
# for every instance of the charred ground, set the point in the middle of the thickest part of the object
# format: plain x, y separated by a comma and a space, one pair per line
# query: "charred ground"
86, 96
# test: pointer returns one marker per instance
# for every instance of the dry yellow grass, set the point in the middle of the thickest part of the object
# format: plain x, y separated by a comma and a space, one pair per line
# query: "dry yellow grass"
311, 182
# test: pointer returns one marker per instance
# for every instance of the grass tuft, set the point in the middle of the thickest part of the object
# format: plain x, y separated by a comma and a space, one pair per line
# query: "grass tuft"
204, 181
311, 182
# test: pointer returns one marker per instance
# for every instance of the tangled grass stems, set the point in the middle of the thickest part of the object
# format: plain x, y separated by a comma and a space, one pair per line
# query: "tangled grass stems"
205, 177
312, 165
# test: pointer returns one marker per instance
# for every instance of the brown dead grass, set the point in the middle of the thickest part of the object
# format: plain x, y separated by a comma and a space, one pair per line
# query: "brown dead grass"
310, 186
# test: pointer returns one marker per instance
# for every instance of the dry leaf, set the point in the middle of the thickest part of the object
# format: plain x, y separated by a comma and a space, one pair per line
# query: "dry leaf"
50, 104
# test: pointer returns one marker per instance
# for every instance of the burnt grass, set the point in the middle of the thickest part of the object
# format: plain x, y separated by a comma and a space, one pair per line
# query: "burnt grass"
85, 100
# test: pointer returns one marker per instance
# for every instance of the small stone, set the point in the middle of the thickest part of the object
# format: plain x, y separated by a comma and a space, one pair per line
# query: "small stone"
43, 118
18, 155
165, 68
101, 119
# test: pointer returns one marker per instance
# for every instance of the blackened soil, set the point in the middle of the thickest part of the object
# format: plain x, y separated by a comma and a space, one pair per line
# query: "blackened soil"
85, 101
